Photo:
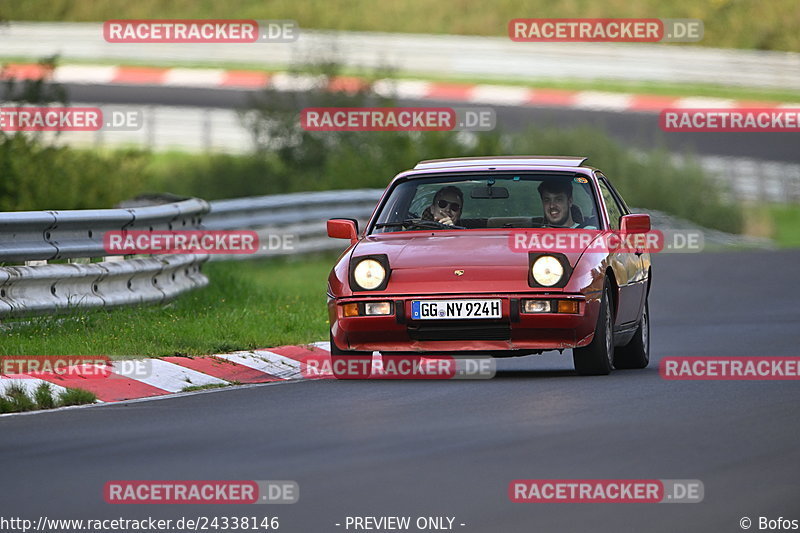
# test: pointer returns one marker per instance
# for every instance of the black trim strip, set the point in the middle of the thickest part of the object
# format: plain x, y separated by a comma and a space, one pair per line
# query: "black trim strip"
400, 311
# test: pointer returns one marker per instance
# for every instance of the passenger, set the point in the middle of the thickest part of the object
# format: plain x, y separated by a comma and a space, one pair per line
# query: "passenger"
448, 202
556, 198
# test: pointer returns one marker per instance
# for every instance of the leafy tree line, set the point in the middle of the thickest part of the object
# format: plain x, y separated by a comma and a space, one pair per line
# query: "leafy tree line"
35, 174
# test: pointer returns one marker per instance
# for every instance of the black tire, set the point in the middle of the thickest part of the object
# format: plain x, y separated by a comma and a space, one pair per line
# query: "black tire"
348, 364
636, 354
597, 358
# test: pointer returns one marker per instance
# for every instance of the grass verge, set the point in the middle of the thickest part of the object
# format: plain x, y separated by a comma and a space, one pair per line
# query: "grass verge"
192, 388
16, 399
248, 305
728, 23
780, 223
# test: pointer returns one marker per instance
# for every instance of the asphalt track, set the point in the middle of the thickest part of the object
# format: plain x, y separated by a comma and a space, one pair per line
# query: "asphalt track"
638, 130
423, 448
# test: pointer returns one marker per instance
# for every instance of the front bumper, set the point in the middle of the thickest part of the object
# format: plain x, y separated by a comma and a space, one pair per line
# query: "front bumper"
515, 331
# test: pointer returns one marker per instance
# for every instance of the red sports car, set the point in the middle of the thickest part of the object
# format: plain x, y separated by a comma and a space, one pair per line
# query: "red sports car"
493, 256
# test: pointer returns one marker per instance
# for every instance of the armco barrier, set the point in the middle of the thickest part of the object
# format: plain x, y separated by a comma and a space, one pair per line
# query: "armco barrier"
32, 237
48, 235
45, 289
301, 216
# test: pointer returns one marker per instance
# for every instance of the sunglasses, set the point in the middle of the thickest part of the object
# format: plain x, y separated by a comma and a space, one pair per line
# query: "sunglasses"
453, 205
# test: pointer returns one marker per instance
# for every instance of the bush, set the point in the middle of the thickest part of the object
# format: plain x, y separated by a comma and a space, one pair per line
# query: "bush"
38, 176
36, 173
76, 397
215, 176
43, 396
5, 405
17, 400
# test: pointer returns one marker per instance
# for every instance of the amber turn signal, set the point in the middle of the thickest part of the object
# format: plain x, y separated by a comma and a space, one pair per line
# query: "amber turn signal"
568, 306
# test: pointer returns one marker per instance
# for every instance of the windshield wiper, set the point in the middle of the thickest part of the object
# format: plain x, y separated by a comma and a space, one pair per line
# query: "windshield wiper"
419, 222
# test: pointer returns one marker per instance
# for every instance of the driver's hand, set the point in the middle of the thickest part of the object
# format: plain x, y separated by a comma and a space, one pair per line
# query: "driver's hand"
446, 220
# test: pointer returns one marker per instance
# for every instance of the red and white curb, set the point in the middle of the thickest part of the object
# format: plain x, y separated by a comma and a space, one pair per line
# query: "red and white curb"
169, 375
407, 89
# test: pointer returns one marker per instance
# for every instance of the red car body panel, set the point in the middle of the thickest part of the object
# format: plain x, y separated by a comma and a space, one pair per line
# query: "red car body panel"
423, 264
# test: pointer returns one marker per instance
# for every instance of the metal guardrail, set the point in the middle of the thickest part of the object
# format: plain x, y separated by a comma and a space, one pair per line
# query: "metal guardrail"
50, 235
29, 239
50, 289
300, 216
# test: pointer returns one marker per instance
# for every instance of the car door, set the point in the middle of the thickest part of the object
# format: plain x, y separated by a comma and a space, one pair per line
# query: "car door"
627, 266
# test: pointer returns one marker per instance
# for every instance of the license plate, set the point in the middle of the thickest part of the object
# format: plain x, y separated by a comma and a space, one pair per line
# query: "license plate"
455, 309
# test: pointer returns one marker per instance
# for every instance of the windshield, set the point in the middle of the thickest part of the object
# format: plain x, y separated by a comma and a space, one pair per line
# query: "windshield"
474, 201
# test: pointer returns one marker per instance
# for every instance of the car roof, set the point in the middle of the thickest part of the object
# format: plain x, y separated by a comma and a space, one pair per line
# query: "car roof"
502, 161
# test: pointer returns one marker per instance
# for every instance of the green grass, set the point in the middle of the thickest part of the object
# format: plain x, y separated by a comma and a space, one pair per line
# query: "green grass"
76, 397
786, 219
778, 222
651, 88
43, 396
17, 400
248, 305
728, 23
193, 388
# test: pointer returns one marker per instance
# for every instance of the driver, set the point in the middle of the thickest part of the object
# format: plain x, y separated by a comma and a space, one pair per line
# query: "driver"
447, 205
557, 203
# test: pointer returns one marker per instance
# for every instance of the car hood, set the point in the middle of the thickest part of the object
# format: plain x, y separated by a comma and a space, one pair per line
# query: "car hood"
426, 262
450, 248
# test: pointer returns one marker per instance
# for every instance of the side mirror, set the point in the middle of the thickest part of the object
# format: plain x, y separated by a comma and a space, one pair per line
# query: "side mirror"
343, 228
638, 223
